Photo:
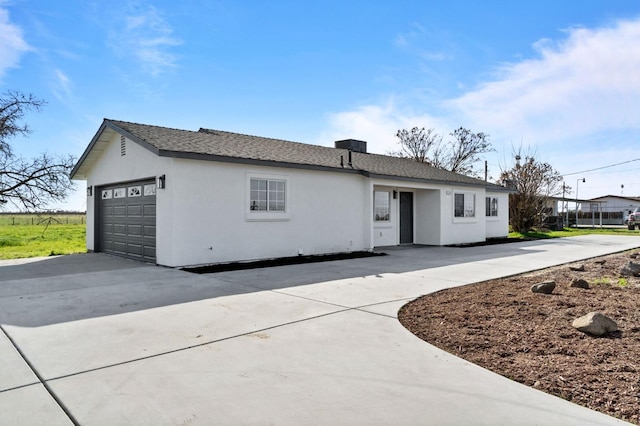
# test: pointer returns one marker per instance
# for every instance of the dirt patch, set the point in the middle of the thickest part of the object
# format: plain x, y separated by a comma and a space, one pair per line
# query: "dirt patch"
504, 327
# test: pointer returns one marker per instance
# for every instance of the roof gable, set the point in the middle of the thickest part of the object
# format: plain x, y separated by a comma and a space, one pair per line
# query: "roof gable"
216, 145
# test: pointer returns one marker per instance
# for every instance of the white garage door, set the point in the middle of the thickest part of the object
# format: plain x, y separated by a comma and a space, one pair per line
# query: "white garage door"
127, 220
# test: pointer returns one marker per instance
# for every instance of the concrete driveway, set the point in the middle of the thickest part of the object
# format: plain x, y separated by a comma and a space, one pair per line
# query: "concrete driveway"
98, 340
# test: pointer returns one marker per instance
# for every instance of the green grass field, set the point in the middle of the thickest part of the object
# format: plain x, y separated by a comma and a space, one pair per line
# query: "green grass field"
63, 234
572, 232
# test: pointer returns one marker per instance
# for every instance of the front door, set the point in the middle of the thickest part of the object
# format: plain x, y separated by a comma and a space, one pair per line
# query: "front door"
406, 218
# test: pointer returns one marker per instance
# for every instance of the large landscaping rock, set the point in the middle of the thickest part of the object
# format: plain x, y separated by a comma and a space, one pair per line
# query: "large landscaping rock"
596, 324
545, 287
578, 268
579, 283
631, 269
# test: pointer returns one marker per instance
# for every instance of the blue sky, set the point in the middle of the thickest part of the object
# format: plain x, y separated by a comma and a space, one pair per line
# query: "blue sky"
561, 79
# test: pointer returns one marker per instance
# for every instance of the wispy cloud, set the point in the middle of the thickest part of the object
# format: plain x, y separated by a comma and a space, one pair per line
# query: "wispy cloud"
148, 37
587, 83
61, 85
12, 43
572, 92
416, 39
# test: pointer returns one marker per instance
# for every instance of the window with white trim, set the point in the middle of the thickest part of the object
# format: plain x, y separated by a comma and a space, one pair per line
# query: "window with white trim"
492, 206
464, 204
381, 206
268, 195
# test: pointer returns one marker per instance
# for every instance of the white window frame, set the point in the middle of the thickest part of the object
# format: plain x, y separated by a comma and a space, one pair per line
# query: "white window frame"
493, 201
469, 199
388, 219
266, 215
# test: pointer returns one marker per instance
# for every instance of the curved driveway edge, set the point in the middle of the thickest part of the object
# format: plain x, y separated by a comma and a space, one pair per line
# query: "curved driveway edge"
93, 339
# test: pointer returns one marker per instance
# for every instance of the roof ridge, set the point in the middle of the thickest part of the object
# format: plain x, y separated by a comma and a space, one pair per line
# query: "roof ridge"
149, 125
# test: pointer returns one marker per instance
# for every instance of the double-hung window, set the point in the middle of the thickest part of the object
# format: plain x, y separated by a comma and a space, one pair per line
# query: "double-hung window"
491, 206
464, 205
268, 195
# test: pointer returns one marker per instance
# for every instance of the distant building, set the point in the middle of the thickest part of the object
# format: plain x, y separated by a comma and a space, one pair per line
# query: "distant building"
614, 209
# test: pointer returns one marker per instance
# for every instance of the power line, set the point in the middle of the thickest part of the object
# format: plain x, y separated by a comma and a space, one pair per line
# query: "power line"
603, 167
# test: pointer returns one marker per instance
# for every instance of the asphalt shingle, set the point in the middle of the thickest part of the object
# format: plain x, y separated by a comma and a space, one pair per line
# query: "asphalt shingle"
216, 143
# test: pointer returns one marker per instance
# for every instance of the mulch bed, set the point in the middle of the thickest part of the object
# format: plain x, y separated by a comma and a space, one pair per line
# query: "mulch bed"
504, 327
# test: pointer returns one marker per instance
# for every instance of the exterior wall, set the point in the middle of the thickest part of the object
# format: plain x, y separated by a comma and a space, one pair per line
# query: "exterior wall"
203, 214
610, 204
112, 167
461, 230
212, 222
498, 226
609, 210
434, 221
428, 215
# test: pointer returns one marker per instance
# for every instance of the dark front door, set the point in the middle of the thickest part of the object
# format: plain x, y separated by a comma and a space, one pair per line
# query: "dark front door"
406, 218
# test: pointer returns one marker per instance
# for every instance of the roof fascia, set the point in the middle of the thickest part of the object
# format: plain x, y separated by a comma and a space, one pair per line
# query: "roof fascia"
268, 163
106, 124
132, 137
420, 180
86, 152
254, 162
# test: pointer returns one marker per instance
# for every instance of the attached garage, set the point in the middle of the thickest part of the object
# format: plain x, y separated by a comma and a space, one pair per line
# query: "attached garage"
180, 198
126, 223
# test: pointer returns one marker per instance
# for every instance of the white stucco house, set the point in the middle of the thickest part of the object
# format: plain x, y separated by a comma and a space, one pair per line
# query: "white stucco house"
186, 198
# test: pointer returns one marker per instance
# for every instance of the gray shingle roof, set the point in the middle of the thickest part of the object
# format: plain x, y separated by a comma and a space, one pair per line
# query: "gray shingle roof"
227, 146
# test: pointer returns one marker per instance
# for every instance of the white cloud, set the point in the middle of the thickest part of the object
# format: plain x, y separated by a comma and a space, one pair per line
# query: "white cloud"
12, 44
61, 85
147, 36
376, 124
585, 84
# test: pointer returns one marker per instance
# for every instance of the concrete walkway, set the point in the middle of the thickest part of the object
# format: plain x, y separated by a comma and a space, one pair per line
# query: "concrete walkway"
97, 340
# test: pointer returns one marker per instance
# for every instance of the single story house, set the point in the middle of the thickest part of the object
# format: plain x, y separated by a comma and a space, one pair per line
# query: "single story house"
611, 203
186, 198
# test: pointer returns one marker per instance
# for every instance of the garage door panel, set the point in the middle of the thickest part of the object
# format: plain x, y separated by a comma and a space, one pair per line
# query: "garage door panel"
149, 231
134, 211
120, 229
149, 251
134, 249
119, 211
128, 220
120, 247
149, 210
134, 230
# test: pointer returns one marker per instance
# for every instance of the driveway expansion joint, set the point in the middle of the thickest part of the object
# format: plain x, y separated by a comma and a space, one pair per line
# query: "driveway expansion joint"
44, 383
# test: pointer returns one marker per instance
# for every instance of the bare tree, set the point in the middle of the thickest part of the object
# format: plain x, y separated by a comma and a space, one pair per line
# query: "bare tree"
458, 155
416, 143
535, 183
29, 184
464, 152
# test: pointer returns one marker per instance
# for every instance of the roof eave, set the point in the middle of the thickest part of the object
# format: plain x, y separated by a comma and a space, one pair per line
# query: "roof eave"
106, 125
